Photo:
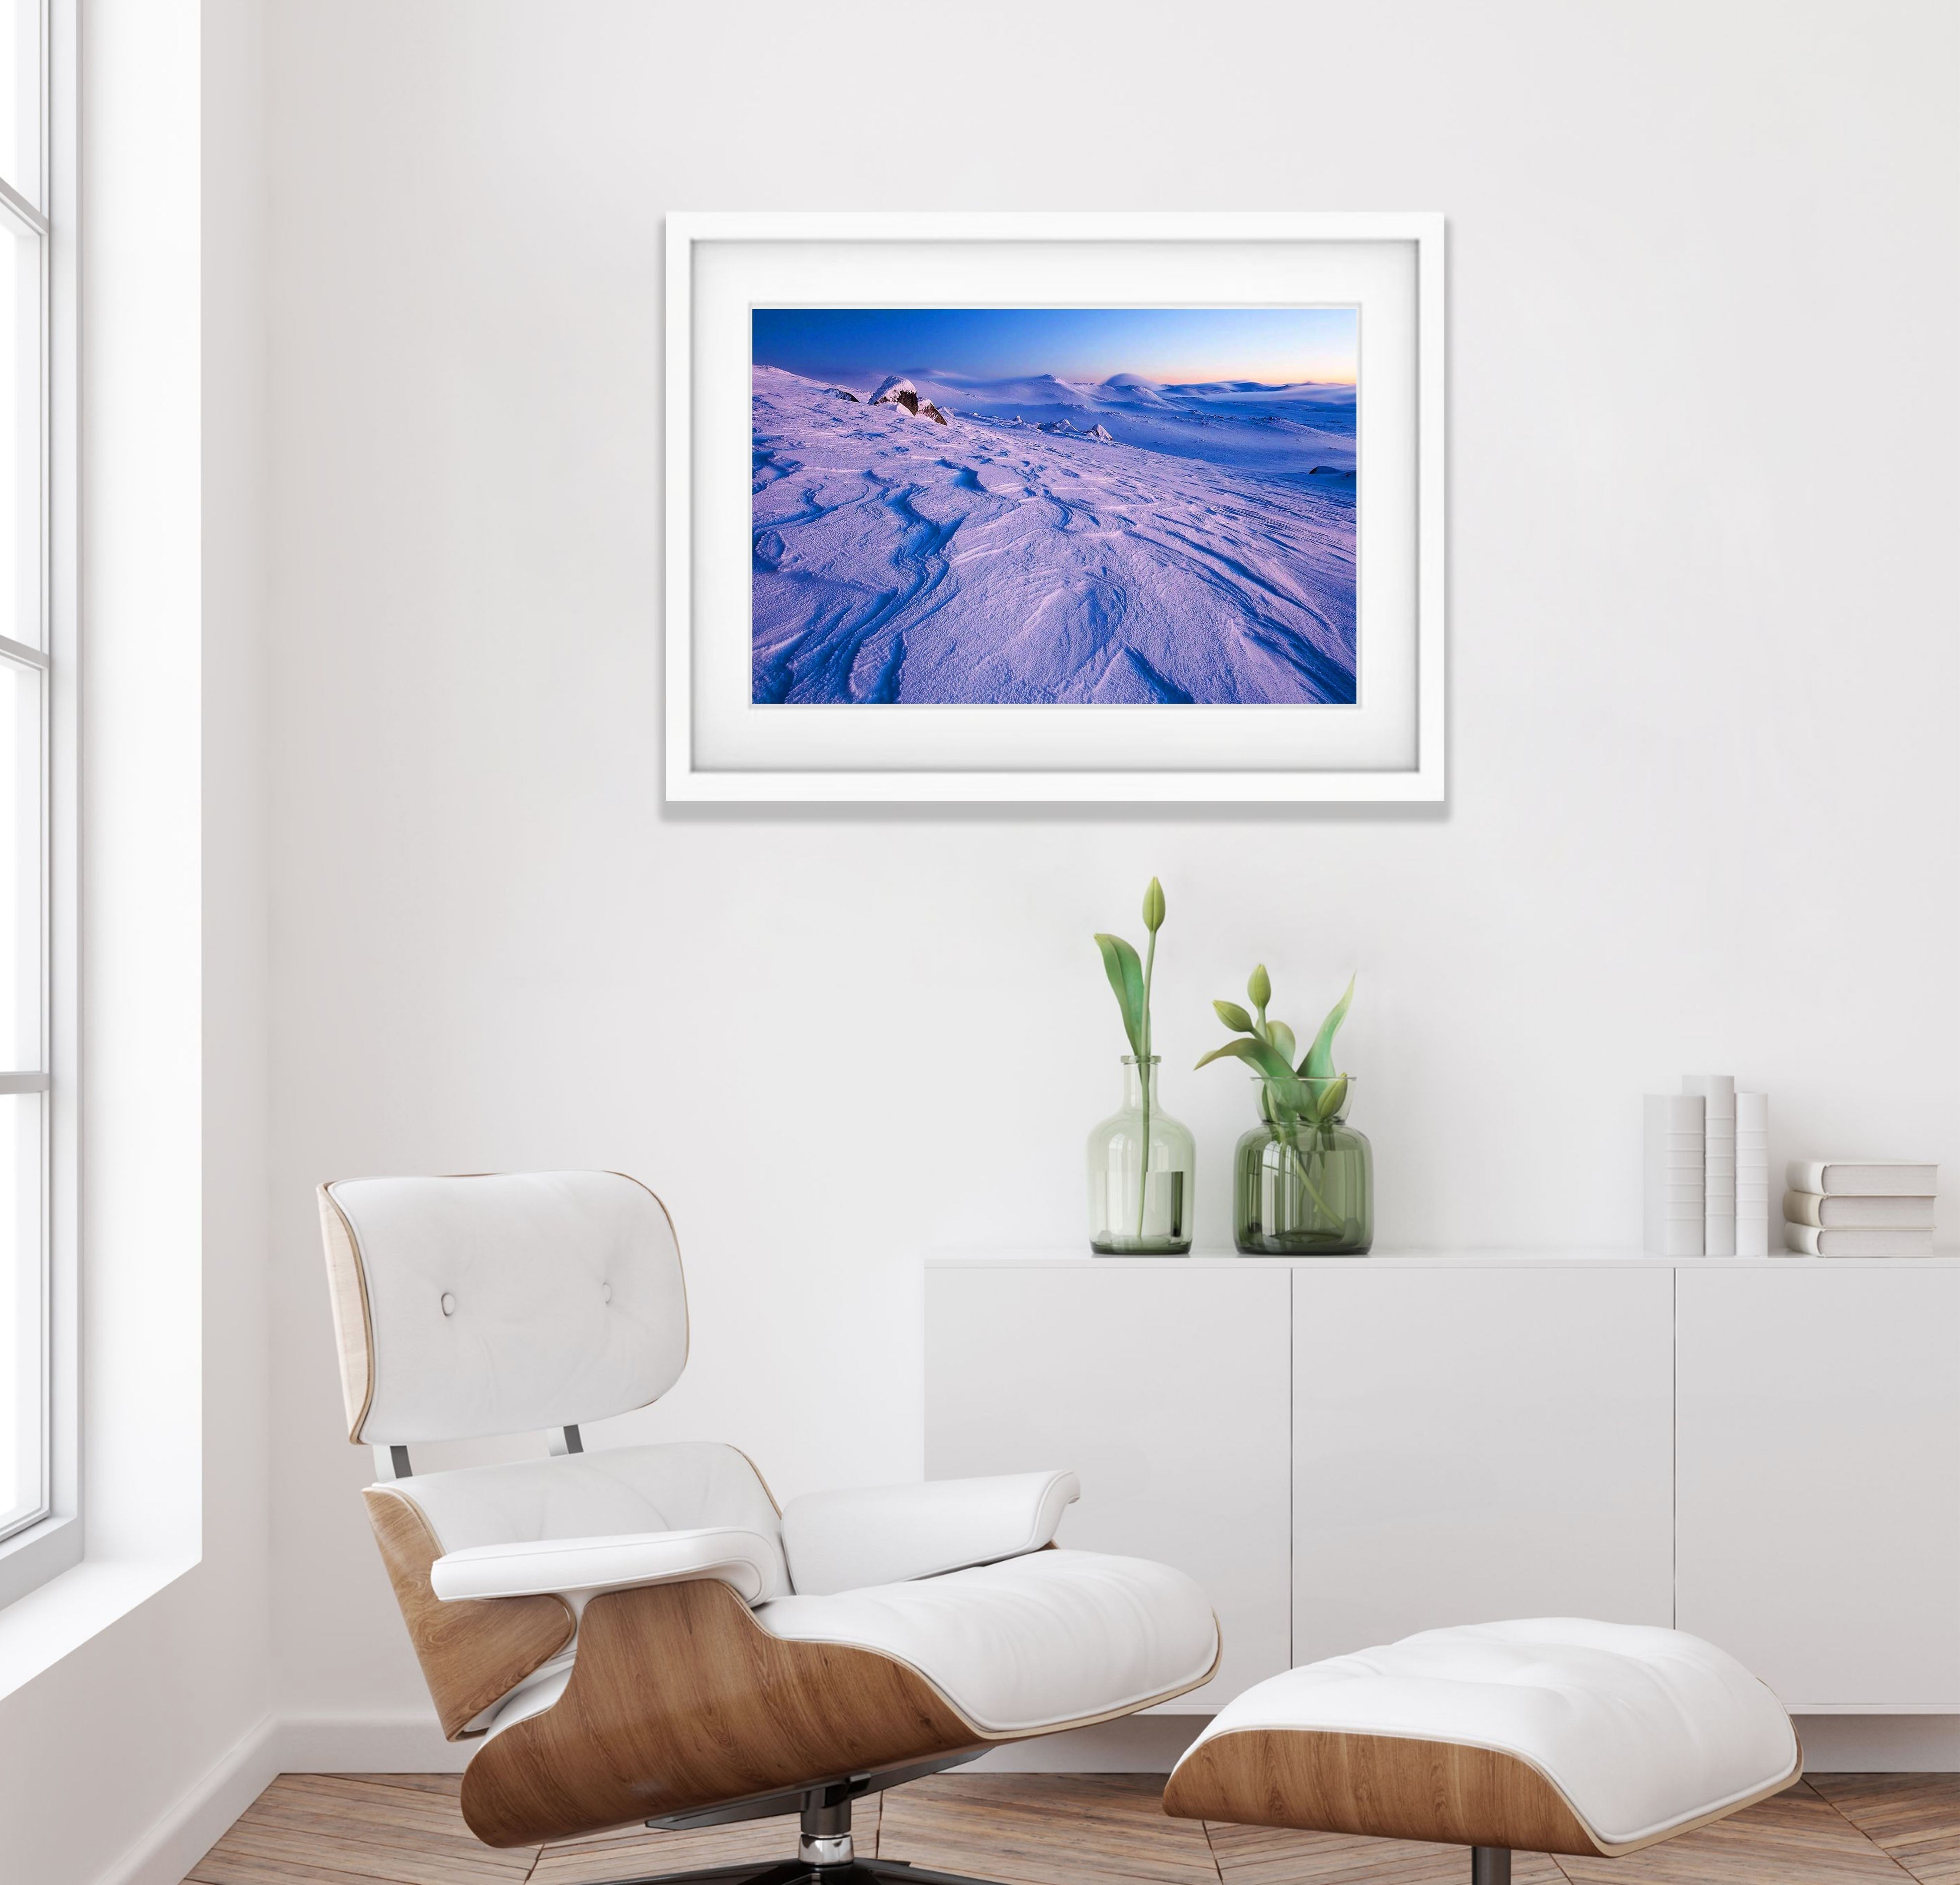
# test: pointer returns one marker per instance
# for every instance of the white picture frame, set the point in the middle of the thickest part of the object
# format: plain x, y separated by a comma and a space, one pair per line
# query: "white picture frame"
1388, 745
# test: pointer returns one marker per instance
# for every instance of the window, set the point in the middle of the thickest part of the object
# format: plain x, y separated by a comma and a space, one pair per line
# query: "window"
28, 1370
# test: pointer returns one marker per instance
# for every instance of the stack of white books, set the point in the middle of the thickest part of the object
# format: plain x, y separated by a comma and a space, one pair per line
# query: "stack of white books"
1708, 1171
1873, 1207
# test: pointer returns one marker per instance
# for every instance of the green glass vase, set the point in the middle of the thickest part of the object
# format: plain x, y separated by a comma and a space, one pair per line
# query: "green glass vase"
1141, 1163
1300, 1188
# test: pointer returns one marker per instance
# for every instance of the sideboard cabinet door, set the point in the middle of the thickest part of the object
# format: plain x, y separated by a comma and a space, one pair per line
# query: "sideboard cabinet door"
1165, 1385
1478, 1442
1819, 1508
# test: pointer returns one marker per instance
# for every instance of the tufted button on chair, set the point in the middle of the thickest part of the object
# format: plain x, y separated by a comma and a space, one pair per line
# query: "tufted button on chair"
639, 1633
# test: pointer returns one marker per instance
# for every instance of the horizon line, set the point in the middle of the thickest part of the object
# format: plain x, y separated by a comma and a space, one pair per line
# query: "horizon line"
949, 373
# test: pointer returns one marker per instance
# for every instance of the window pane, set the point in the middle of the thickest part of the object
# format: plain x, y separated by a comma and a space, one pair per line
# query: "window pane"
20, 872
23, 1343
20, 97
21, 457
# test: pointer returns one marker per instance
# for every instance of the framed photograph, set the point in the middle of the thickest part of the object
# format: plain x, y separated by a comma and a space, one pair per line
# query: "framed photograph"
1055, 507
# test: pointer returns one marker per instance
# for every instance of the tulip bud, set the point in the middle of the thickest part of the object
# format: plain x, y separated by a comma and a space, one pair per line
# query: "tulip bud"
1233, 1016
1153, 907
1260, 988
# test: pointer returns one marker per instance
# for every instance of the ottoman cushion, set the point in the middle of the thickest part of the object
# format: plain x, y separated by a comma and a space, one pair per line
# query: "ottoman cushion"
1553, 1734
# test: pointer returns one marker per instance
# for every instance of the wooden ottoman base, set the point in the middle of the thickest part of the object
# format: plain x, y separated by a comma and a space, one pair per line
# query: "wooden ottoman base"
1554, 1736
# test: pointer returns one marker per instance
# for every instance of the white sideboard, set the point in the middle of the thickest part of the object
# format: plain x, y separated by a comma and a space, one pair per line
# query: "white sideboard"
1341, 1451
1135, 1375
1818, 1526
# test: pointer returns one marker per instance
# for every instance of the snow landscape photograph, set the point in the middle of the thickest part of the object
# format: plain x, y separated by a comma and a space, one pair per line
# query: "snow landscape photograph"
1086, 506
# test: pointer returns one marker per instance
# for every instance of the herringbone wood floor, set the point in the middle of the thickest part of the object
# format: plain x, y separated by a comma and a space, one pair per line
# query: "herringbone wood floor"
1075, 1829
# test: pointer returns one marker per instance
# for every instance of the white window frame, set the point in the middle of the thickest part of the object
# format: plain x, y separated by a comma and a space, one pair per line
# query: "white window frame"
40, 1547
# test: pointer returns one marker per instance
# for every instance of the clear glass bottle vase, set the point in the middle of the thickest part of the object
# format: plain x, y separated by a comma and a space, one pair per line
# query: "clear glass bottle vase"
1301, 1188
1141, 1164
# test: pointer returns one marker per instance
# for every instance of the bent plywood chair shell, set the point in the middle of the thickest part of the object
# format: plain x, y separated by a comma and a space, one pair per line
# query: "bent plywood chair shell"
1394, 1787
680, 1699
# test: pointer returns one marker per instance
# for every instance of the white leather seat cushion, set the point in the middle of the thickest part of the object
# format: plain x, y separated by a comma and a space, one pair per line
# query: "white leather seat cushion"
1037, 1642
625, 1491
883, 1534
1641, 1729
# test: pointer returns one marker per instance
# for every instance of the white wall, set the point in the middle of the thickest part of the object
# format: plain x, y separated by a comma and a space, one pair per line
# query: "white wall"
1703, 665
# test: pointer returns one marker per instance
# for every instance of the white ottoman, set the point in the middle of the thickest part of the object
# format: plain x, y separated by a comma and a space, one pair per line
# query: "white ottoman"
1550, 1735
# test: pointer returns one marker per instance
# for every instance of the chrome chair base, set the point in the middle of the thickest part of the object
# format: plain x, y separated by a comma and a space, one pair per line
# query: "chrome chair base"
825, 1854
851, 1872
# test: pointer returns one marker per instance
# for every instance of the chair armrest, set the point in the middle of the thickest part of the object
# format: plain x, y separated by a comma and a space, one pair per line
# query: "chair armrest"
563, 1567
891, 1534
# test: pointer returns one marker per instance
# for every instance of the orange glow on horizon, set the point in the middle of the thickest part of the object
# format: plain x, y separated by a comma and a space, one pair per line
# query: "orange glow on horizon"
1322, 374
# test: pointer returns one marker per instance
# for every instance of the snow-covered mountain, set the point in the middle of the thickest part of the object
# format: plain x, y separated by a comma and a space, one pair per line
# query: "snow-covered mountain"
1132, 389
1303, 428
1204, 551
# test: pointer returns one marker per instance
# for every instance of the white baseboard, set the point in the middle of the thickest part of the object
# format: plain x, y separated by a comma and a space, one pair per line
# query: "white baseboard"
1880, 1743
200, 1818
410, 1742
407, 1743
1138, 1744
1151, 1744
413, 1744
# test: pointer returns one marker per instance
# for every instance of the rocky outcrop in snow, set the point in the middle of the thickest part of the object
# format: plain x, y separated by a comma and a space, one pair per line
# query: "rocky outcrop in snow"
901, 393
838, 393
1099, 432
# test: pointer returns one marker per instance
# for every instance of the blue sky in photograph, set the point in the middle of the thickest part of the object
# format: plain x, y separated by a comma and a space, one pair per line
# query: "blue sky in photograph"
1277, 345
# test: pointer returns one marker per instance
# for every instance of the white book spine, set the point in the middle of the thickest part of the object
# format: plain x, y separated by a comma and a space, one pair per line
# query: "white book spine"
1717, 1091
1752, 1174
1846, 1211
1863, 1177
1808, 1240
1673, 1180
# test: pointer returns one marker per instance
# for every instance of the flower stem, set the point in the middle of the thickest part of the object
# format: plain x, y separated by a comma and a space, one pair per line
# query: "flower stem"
1143, 1071
1292, 1144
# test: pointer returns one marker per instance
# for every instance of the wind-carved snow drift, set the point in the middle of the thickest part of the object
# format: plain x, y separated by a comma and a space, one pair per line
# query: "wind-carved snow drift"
1165, 544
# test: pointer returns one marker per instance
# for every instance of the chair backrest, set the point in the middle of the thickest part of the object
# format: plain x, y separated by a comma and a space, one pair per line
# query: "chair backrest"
500, 1304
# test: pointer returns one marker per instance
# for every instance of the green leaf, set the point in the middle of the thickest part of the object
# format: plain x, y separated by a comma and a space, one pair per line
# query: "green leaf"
1233, 1016
1153, 907
1328, 1096
1124, 969
1318, 1063
1260, 987
1281, 1037
1256, 1054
